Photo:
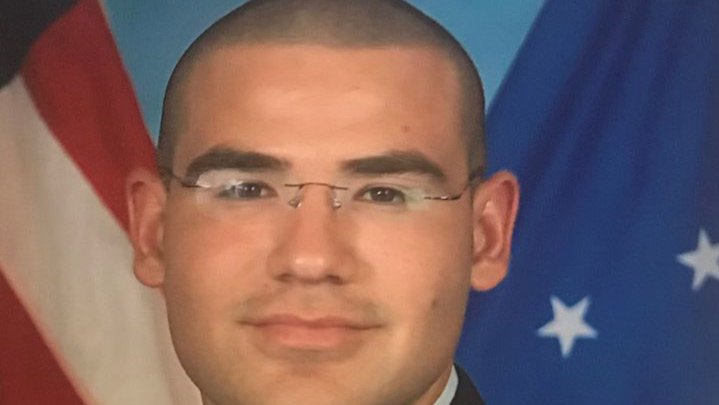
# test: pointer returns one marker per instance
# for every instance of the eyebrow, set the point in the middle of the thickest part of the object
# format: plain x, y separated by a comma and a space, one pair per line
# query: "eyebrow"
395, 162
220, 157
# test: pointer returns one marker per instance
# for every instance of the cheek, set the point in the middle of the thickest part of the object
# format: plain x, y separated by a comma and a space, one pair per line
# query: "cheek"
422, 278
423, 271
211, 265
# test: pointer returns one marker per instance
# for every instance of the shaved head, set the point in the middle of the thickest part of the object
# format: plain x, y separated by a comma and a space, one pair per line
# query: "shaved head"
331, 23
323, 233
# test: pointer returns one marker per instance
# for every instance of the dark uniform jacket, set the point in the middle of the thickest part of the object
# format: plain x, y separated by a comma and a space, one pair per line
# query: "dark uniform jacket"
466, 393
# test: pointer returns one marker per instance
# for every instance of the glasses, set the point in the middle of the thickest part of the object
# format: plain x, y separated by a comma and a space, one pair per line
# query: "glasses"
228, 193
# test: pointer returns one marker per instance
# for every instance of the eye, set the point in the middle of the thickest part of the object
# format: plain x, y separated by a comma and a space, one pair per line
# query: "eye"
382, 195
246, 191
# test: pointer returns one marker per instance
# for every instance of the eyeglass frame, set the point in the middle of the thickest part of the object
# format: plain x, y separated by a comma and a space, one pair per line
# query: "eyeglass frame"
295, 202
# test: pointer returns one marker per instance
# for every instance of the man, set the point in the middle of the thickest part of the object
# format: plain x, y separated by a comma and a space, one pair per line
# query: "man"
320, 216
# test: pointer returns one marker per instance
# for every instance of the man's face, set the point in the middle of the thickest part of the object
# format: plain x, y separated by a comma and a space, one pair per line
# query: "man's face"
319, 305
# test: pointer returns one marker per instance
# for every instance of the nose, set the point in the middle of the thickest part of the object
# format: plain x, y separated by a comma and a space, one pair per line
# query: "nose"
311, 247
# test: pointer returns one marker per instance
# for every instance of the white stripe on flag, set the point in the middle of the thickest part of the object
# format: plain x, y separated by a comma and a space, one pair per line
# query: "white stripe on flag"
69, 262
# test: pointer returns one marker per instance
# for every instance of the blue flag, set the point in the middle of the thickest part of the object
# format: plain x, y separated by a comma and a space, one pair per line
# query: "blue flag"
610, 118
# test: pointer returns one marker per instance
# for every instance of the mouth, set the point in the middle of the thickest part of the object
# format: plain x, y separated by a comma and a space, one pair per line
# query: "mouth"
326, 333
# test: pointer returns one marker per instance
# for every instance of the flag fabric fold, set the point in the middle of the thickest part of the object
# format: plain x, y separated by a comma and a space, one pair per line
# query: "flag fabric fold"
77, 327
609, 118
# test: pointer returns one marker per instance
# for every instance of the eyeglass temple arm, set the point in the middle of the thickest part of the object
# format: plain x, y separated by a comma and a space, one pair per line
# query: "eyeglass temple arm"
475, 175
167, 173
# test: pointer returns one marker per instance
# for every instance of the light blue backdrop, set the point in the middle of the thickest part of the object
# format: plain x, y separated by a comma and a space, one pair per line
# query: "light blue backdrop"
153, 34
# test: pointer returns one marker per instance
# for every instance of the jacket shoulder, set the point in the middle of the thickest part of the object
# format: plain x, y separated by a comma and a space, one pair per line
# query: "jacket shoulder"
466, 393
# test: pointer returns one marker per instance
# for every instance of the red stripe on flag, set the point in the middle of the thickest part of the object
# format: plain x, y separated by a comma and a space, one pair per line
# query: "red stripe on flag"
76, 78
29, 374
78, 84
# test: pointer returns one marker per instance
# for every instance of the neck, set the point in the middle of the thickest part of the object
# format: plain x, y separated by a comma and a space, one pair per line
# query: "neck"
436, 390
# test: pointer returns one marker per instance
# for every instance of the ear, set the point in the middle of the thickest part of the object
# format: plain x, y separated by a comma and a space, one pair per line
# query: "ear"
146, 198
494, 212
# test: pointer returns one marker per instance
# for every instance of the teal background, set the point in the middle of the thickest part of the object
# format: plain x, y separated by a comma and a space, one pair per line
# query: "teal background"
151, 36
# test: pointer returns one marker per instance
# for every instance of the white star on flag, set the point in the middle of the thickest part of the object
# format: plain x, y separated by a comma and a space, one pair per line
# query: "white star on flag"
704, 260
568, 324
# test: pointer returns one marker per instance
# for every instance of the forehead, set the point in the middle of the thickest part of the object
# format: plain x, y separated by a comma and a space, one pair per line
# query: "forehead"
298, 100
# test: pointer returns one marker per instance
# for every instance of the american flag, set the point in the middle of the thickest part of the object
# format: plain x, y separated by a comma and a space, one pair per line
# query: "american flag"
75, 326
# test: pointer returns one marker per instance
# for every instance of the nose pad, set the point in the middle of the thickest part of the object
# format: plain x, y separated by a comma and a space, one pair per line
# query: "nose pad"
296, 201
